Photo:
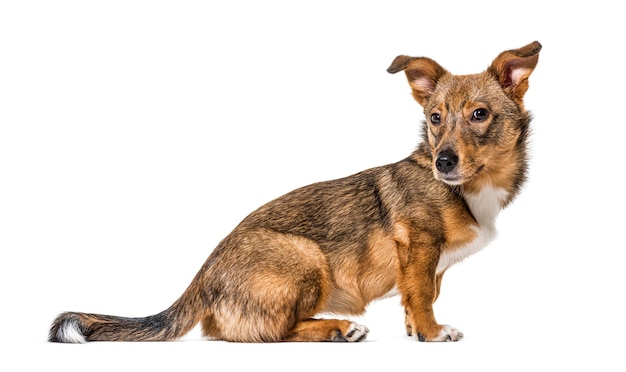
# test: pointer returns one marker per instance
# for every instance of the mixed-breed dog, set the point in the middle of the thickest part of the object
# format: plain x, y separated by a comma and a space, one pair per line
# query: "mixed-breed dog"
333, 247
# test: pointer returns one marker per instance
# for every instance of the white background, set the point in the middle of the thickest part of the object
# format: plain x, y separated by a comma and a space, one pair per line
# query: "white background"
134, 135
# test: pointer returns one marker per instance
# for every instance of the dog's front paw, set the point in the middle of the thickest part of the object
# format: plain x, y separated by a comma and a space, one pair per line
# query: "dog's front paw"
446, 333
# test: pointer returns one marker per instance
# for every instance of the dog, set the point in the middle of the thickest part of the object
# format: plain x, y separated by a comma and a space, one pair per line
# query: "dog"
333, 247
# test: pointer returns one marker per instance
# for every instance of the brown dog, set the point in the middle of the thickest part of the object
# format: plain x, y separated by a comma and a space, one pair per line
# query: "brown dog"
333, 247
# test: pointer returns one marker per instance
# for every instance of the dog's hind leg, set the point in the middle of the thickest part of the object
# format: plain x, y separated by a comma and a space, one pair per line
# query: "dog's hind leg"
279, 282
327, 330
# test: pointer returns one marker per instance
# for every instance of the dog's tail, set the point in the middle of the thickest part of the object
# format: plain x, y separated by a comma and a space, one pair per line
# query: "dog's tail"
171, 324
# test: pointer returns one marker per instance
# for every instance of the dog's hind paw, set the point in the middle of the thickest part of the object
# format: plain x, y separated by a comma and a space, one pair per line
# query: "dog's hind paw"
354, 333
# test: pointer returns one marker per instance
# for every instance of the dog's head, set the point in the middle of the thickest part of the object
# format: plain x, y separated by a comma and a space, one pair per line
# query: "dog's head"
474, 123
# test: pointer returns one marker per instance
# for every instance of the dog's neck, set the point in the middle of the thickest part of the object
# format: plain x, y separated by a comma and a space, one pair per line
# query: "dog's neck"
504, 181
486, 204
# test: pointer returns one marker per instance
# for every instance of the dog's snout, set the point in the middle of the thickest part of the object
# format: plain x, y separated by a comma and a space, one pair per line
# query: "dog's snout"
446, 161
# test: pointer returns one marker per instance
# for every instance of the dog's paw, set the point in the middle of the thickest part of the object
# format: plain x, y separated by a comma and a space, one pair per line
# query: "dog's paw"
446, 334
354, 333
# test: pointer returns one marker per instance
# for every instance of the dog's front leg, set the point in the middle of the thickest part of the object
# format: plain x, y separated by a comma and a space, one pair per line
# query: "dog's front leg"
407, 318
419, 285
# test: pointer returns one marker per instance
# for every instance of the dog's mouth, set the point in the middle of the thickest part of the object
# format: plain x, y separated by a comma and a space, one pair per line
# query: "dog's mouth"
453, 180
457, 177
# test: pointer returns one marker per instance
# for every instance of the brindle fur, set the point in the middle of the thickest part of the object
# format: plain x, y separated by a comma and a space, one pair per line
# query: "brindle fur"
333, 247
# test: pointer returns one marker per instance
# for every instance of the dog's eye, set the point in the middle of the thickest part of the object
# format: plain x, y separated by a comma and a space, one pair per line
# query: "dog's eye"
435, 119
480, 114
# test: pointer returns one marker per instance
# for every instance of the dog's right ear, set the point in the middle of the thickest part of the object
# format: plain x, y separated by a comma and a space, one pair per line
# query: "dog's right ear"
423, 74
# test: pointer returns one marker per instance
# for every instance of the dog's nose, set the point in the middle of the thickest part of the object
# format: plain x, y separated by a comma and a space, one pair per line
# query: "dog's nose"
446, 161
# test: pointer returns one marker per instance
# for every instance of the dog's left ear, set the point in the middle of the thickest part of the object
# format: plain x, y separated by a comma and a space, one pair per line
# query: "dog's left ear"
513, 67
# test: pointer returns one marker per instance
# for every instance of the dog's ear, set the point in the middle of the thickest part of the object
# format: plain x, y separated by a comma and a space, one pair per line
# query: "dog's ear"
513, 67
423, 74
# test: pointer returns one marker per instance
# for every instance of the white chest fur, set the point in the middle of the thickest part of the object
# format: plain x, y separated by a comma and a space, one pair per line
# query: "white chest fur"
485, 207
